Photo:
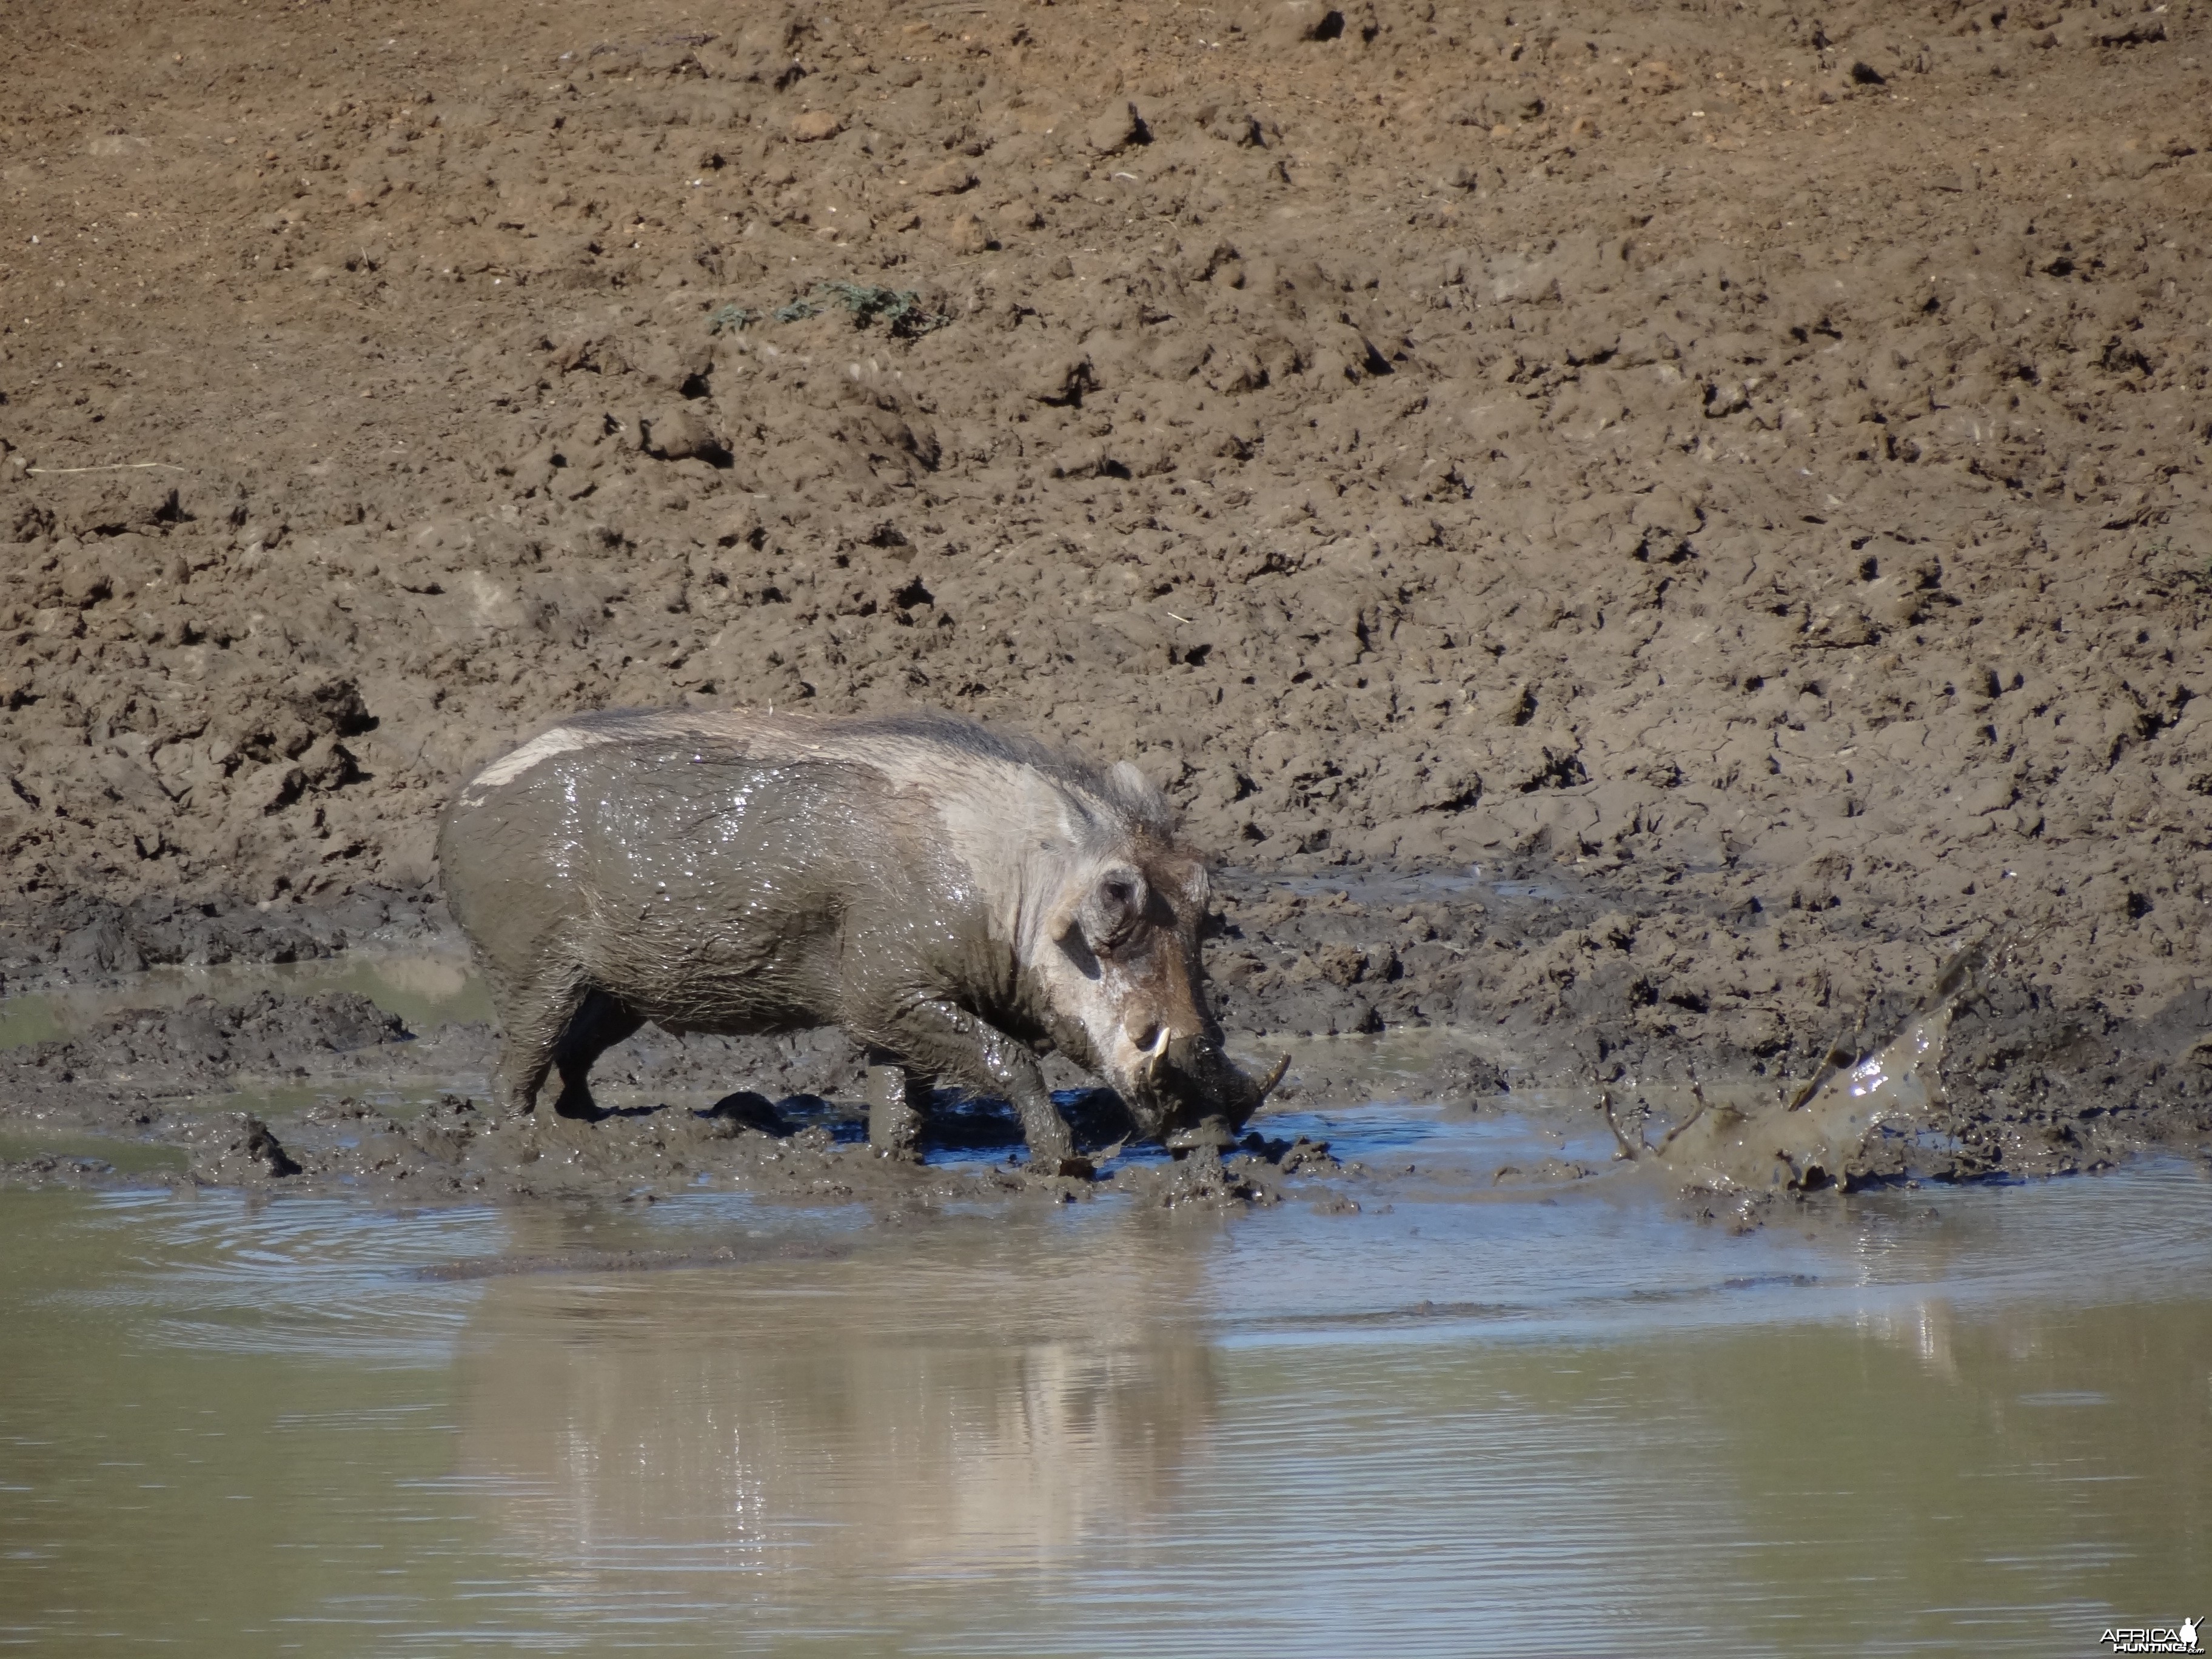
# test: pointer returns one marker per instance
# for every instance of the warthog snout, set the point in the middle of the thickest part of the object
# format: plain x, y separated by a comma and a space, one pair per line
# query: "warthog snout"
1208, 1100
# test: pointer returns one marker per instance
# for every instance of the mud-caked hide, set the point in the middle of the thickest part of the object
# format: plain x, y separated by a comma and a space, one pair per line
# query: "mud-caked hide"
955, 898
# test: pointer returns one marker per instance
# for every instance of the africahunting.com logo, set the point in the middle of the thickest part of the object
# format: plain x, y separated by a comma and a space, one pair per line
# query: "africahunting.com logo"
2155, 1639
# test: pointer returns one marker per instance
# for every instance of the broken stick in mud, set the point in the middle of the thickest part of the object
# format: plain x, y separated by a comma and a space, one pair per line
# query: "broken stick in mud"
1816, 1137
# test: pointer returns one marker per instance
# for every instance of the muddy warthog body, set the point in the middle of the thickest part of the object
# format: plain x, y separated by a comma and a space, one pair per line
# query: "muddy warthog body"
954, 898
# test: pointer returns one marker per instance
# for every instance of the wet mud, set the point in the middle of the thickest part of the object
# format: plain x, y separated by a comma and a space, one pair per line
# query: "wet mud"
327, 1090
260, 1079
1631, 537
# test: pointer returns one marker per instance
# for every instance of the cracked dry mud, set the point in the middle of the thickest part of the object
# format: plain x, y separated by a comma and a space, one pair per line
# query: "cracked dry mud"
1739, 480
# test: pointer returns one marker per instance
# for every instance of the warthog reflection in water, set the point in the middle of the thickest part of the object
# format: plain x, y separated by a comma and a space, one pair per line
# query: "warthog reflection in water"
987, 1394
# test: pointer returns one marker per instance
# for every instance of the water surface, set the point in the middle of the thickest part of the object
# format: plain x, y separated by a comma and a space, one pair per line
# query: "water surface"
1461, 1420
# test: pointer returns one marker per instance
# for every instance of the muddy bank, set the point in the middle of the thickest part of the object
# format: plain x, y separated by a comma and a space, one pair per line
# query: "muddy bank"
273, 1092
1498, 993
1742, 479
1760, 460
82, 938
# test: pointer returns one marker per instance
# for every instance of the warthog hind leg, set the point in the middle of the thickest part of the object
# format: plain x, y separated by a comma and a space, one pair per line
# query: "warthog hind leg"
532, 1019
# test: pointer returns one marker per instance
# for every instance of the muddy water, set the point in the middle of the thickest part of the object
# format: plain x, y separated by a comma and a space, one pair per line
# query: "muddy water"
1464, 1418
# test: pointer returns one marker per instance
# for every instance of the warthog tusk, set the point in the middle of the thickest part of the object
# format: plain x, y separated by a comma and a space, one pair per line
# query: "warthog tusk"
1273, 1077
1157, 1053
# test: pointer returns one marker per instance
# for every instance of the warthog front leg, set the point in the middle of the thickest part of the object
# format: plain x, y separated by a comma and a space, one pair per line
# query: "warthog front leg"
935, 1036
598, 1024
894, 1113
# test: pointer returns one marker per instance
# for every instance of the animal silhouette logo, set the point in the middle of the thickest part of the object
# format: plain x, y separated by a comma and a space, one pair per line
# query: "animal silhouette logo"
2157, 1638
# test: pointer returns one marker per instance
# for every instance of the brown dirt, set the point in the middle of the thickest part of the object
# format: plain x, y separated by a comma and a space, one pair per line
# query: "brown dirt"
1750, 472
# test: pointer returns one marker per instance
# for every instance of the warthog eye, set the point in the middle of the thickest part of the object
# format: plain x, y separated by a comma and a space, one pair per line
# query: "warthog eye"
1116, 905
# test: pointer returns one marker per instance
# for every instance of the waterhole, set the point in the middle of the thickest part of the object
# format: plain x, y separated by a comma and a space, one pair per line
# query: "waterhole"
1467, 1416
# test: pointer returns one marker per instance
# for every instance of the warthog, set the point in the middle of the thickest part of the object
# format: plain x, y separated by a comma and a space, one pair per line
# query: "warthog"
956, 899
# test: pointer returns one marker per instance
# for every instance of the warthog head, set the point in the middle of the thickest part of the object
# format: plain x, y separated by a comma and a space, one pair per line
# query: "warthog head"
1124, 967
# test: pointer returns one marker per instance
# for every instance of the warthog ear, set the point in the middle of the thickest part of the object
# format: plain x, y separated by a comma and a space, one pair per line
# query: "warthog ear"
1112, 908
1130, 780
